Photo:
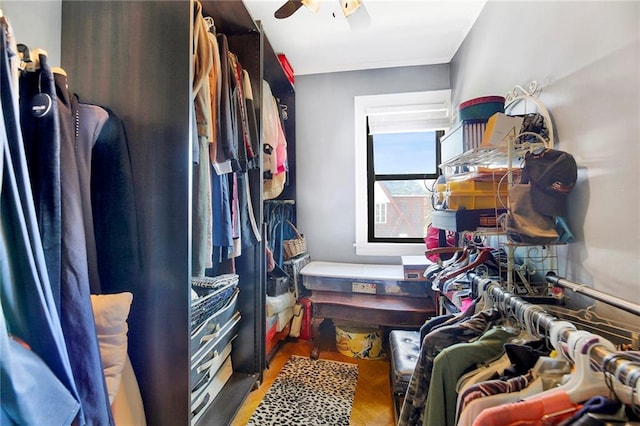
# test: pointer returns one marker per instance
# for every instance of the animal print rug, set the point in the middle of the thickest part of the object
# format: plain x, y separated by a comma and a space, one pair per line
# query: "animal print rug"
309, 392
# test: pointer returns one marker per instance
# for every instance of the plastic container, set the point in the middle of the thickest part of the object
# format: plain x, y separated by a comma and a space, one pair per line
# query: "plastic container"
359, 342
480, 108
475, 200
286, 67
471, 195
277, 282
293, 267
474, 185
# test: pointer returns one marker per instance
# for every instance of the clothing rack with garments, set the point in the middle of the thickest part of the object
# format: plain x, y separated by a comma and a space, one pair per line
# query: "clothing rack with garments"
504, 360
162, 155
563, 335
276, 214
67, 185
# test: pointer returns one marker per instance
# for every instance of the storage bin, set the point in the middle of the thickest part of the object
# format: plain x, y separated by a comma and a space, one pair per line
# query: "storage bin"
292, 267
481, 189
207, 285
475, 200
359, 342
203, 307
209, 352
210, 389
465, 220
480, 108
359, 278
213, 324
466, 135
286, 67
472, 186
276, 304
277, 282
272, 325
214, 368
469, 195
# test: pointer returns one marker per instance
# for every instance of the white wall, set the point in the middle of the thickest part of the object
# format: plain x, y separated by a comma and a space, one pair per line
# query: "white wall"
37, 24
325, 152
586, 57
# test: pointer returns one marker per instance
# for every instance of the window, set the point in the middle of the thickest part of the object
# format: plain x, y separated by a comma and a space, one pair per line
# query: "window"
397, 157
401, 170
381, 212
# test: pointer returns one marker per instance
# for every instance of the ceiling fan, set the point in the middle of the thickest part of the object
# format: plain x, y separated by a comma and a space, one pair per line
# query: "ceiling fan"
349, 7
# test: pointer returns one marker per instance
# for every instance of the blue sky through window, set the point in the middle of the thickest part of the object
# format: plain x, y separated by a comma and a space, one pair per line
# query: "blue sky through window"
404, 153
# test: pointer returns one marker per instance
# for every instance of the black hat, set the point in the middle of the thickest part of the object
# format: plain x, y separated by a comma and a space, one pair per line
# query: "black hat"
552, 174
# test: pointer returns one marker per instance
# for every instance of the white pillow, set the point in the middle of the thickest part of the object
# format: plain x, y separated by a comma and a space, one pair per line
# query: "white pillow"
111, 312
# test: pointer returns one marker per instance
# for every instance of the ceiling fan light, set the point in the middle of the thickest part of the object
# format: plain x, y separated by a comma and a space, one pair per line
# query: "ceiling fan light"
312, 5
350, 6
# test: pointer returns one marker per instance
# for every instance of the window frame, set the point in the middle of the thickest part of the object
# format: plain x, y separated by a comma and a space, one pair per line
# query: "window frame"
363, 105
372, 178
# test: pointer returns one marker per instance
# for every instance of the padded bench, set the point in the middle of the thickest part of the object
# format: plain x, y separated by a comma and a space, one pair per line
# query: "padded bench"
404, 346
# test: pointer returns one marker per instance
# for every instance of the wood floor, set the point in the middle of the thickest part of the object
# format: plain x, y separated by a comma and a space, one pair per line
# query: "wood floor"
372, 405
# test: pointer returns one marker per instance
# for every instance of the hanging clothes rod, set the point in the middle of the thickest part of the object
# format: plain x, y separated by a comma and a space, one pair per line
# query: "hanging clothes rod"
594, 294
541, 324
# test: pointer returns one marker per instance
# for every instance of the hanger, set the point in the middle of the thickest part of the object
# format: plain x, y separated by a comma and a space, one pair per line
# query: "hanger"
58, 70
30, 58
481, 257
211, 24
619, 385
442, 250
584, 383
431, 271
577, 347
24, 54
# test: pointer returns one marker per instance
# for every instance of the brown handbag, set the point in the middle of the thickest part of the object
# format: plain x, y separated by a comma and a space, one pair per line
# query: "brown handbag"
523, 223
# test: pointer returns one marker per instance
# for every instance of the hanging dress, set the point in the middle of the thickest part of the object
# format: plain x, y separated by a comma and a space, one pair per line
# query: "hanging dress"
29, 311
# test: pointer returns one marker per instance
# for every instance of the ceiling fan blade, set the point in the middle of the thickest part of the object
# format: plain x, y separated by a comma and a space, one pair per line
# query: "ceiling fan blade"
359, 18
288, 9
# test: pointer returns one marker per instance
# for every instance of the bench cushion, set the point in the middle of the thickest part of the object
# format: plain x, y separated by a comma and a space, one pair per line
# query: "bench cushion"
405, 348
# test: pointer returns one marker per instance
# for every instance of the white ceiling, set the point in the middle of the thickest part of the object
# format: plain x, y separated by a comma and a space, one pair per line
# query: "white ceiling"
400, 33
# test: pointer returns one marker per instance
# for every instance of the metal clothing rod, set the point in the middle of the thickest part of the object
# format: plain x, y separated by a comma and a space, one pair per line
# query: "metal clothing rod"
541, 324
594, 294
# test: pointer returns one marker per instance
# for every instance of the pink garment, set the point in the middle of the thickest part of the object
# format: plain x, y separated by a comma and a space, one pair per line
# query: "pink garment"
547, 410
432, 240
465, 304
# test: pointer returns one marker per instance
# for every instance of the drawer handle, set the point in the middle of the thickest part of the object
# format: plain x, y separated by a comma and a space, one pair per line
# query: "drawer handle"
207, 364
201, 405
213, 335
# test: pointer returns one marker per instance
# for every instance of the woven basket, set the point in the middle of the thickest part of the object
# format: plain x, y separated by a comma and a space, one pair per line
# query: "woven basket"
295, 246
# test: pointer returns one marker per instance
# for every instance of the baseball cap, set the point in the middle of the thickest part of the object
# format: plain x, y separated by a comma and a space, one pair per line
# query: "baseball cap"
552, 174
